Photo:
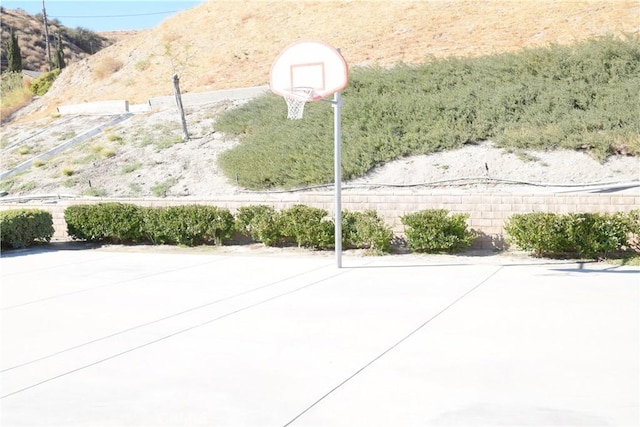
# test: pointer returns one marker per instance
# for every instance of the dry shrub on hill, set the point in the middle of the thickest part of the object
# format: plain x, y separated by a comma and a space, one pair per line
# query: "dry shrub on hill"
106, 67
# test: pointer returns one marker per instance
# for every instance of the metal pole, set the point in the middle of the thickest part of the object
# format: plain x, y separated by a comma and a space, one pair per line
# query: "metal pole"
337, 136
46, 35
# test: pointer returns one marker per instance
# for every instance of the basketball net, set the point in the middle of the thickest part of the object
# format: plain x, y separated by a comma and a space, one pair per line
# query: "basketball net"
296, 99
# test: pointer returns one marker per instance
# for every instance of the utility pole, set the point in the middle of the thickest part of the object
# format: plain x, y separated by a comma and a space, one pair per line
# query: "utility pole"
46, 35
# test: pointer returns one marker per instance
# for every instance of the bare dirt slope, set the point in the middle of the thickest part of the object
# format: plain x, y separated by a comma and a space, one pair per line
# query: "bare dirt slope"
145, 157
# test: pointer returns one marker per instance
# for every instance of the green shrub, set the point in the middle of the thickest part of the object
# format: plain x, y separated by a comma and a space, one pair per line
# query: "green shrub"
633, 237
188, 225
130, 167
20, 228
109, 222
154, 225
365, 230
539, 232
434, 230
589, 235
308, 227
125, 223
595, 234
41, 85
260, 222
579, 97
160, 189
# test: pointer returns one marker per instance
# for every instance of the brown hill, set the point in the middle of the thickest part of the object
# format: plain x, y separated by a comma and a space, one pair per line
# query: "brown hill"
78, 43
219, 45
117, 36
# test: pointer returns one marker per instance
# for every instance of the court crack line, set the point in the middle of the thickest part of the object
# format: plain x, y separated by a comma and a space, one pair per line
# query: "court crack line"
378, 357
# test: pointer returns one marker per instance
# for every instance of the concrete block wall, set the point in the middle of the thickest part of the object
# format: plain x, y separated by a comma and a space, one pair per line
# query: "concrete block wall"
99, 107
190, 99
487, 212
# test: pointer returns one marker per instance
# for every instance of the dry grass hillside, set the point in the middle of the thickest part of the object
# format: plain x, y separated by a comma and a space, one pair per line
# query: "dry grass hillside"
228, 44
78, 43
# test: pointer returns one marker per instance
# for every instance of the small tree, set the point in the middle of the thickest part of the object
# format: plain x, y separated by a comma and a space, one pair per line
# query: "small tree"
59, 59
14, 56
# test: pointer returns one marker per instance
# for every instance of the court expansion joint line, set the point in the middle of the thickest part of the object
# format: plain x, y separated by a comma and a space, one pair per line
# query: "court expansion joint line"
142, 325
52, 267
378, 357
106, 285
173, 334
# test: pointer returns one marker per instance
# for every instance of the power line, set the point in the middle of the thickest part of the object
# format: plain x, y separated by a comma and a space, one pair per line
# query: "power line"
114, 16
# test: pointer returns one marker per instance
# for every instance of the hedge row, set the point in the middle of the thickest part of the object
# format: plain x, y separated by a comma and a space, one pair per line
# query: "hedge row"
125, 223
196, 225
427, 231
589, 235
20, 228
311, 228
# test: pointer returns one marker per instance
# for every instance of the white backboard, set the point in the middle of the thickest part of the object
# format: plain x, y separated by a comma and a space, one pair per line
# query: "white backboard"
311, 64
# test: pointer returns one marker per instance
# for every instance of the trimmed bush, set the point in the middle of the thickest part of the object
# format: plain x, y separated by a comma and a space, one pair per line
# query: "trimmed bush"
259, 222
589, 235
365, 230
108, 222
539, 232
188, 225
633, 237
308, 227
126, 223
22, 227
595, 234
435, 231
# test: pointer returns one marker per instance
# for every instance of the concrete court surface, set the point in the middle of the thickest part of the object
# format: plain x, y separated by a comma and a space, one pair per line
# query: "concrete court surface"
118, 337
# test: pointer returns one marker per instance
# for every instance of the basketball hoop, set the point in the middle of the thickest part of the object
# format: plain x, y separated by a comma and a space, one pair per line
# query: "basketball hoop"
307, 71
296, 98
310, 71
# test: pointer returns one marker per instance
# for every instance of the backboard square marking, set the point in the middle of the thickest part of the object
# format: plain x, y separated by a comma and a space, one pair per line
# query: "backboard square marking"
308, 75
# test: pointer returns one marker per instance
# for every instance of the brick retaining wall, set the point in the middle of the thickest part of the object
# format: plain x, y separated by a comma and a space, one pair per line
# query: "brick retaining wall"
487, 212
